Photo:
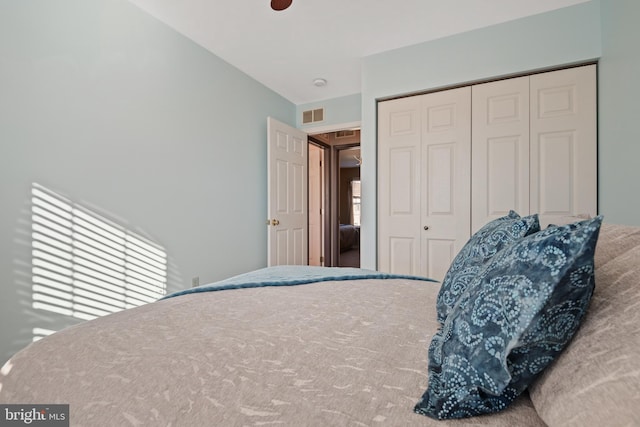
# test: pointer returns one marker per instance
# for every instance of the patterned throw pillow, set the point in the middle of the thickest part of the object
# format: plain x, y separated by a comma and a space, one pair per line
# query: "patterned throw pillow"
477, 252
514, 319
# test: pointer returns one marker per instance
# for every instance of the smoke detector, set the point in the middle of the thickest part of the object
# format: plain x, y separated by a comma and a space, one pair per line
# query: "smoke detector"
319, 82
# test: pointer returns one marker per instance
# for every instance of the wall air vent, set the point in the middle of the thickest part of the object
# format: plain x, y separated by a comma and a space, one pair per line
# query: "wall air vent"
345, 133
313, 116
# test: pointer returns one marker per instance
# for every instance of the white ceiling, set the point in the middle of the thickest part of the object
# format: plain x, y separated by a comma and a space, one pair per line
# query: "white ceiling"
287, 50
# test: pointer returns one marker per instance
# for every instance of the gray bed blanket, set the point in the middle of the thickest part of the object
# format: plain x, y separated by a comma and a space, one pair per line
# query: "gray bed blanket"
292, 275
330, 353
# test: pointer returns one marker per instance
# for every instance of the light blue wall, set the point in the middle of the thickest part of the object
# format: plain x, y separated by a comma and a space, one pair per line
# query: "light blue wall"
107, 106
619, 92
338, 111
564, 36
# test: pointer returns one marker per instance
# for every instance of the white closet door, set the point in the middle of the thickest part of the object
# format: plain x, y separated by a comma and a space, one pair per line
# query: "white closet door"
534, 150
500, 150
445, 183
399, 186
563, 143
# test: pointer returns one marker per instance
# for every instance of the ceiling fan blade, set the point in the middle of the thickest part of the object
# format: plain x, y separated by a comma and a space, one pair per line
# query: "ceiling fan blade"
280, 4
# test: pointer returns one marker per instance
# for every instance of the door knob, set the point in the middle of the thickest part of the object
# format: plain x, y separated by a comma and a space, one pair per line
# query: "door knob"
275, 222
426, 227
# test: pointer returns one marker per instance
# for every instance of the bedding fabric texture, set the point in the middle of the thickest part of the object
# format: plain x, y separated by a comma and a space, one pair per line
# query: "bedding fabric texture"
333, 353
477, 252
292, 275
596, 380
515, 317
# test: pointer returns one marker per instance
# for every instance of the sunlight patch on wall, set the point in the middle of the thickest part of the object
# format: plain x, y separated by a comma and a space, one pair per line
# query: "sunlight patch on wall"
39, 333
86, 266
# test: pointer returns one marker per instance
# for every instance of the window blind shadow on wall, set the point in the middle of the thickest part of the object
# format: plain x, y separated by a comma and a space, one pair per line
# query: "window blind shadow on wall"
86, 266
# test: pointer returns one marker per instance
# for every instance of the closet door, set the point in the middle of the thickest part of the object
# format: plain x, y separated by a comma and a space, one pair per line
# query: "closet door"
533, 150
424, 165
399, 186
500, 150
445, 179
563, 143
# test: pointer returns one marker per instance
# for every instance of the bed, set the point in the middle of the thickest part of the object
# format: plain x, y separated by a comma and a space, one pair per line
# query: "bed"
349, 237
314, 346
348, 348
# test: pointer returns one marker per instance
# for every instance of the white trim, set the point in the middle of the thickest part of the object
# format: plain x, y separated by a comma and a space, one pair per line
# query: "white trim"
332, 128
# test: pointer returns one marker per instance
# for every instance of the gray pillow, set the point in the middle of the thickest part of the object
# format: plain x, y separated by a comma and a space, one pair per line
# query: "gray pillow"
515, 317
594, 382
477, 252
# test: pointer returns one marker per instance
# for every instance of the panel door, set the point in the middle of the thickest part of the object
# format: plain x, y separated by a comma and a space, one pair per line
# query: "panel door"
445, 190
399, 186
564, 143
287, 195
500, 150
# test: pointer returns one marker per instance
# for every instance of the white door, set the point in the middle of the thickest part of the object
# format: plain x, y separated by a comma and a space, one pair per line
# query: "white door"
534, 150
399, 185
287, 194
564, 144
424, 145
500, 147
446, 179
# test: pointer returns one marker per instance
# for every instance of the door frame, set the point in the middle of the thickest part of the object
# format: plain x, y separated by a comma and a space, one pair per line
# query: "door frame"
326, 196
332, 242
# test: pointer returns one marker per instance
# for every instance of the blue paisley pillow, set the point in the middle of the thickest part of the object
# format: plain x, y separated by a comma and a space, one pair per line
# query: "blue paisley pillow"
515, 317
477, 252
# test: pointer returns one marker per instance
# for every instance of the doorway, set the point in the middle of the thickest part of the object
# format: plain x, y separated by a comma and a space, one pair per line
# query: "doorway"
334, 198
349, 202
